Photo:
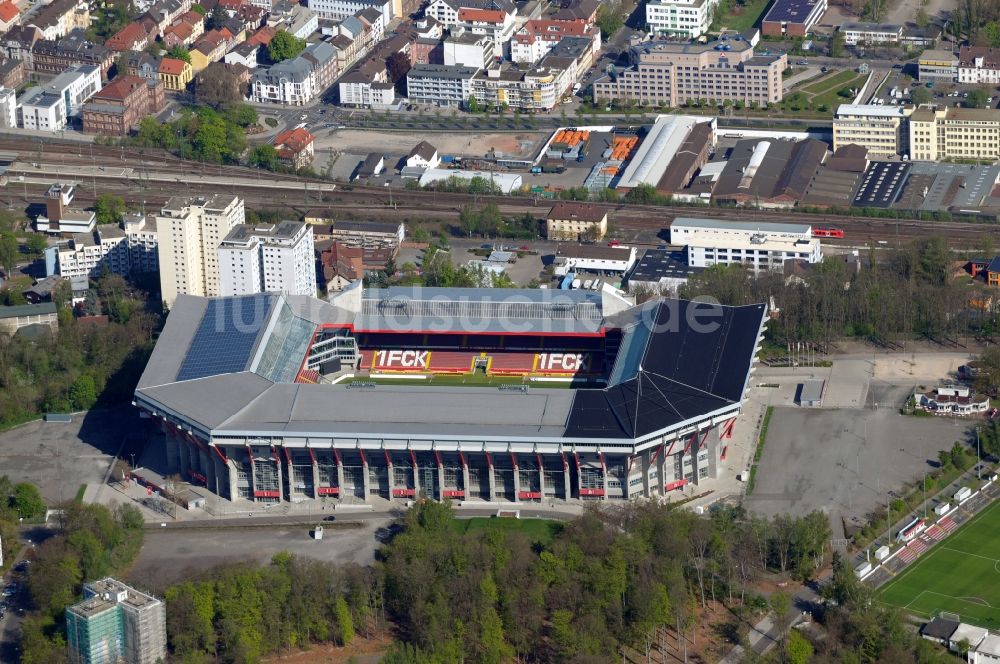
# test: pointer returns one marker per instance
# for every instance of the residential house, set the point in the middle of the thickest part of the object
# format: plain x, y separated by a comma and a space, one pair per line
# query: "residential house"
446, 12
536, 38
423, 155
300, 21
366, 85
244, 54
133, 37
140, 63
496, 24
575, 221
262, 36
10, 15
342, 266
184, 30
979, 65
210, 47
121, 104
74, 49
291, 82
58, 18
578, 9
338, 10
12, 73
19, 42
469, 49
295, 147
322, 57
175, 74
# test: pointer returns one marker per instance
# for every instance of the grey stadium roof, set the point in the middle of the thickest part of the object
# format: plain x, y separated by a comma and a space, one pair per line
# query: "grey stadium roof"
679, 362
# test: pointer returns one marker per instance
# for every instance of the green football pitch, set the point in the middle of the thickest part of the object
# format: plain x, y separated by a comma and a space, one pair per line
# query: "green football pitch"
961, 574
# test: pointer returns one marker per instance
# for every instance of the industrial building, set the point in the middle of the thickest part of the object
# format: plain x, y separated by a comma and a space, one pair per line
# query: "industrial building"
768, 173
507, 182
116, 623
662, 271
658, 149
758, 245
272, 398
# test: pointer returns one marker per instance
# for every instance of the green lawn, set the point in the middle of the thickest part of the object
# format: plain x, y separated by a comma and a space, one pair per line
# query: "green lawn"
540, 531
831, 82
742, 18
961, 574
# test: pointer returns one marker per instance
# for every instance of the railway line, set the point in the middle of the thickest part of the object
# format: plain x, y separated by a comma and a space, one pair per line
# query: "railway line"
151, 176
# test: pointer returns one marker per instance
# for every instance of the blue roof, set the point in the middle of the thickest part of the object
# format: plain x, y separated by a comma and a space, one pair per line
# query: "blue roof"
994, 265
793, 11
226, 337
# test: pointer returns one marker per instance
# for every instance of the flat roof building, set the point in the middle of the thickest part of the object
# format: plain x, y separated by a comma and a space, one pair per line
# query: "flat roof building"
955, 133
758, 245
116, 623
871, 33
792, 18
268, 258
882, 130
662, 271
937, 65
596, 258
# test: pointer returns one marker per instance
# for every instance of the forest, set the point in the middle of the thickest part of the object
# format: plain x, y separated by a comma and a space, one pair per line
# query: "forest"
634, 579
886, 296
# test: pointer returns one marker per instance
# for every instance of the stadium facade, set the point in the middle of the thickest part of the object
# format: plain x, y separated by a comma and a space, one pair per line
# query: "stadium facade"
467, 394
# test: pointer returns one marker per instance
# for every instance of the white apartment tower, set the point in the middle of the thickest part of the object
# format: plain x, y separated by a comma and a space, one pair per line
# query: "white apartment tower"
268, 258
189, 232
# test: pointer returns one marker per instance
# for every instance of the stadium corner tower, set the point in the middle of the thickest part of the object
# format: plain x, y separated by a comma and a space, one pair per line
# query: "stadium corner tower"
467, 394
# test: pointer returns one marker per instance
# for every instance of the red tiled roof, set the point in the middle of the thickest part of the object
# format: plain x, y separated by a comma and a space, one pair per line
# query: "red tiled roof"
232, 5
263, 36
482, 15
182, 30
555, 30
172, 66
9, 11
292, 142
127, 37
120, 88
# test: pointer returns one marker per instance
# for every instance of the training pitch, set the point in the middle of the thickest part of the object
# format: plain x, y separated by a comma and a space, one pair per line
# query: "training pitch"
961, 574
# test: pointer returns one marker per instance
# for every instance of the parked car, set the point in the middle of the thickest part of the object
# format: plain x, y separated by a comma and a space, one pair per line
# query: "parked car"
802, 62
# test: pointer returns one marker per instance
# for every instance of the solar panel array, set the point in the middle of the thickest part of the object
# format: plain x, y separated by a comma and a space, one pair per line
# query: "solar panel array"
226, 337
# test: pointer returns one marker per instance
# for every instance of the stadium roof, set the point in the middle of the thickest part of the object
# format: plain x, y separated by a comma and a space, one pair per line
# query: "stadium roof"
226, 367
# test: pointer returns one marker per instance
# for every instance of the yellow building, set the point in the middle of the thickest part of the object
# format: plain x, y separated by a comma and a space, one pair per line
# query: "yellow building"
880, 129
575, 221
954, 133
175, 74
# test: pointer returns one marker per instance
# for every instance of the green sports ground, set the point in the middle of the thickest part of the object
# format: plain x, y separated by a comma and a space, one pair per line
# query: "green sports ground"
960, 574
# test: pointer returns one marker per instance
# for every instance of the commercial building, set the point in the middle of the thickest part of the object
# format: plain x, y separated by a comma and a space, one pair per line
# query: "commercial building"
440, 85
536, 37
660, 271
674, 73
268, 258
882, 130
21, 316
681, 18
91, 254
979, 65
596, 258
951, 400
792, 18
464, 48
954, 133
189, 232
56, 56
937, 65
338, 10
759, 246
871, 33
122, 104
116, 623
576, 221
49, 107
768, 173
291, 82
242, 388
59, 217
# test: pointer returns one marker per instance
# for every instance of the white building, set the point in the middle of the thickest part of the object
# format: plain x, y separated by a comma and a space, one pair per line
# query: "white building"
43, 111
760, 246
440, 85
987, 652
871, 33
979, 65
686, 18
268, 258
189, 232
469, 49
143, 243
506, 182
596, 258
59, 217
8, 108
423, 155
90, 254
952, 400
973, 636
297, 19
291, 82
338, 10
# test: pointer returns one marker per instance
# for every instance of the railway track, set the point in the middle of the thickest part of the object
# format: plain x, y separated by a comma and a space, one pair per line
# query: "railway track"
127, 173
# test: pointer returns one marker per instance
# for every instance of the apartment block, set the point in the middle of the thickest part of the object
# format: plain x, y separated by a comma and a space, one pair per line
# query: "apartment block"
682, 18
268, 258
537, 37
8, 108
954, 133
90, 254
143, 243
469, 49
576, 221
758, 245
880, 129
116, 623
671, 74
189, 232
441, 85
338, 10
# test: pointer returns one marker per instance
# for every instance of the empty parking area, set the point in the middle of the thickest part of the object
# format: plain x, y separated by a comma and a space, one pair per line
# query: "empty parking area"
818, 459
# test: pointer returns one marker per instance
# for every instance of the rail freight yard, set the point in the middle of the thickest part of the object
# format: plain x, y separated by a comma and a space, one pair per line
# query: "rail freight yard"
274, 398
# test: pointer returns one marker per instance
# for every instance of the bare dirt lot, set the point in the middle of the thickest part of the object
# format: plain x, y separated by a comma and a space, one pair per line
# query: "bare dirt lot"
472, 144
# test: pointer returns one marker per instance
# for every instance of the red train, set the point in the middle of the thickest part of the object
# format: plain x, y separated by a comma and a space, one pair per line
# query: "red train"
827, 232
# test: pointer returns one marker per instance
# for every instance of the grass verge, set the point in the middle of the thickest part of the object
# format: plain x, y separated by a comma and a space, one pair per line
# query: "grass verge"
759, 450
79, 493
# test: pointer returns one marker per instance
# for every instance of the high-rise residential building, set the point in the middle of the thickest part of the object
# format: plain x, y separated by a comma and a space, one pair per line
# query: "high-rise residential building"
90, 254
268, 258
189, 232
143, 243
116, 623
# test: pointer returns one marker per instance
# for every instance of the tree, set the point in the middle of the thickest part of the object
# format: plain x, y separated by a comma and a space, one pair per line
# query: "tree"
472, 104
397, 65
797, 648
27, 500
218, 16
345, 624
837, 44
920, 96
780, 603
284, 46
109, 209
216, 86
198, 8
264, 156
609, 20
83, 392
8, 252
37, 243
178, 52
977, 98
922, 19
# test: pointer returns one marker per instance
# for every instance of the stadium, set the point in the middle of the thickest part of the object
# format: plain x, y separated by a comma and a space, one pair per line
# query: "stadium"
466, 394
